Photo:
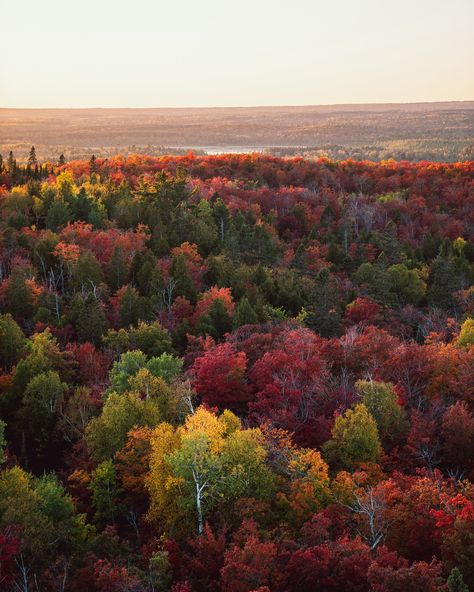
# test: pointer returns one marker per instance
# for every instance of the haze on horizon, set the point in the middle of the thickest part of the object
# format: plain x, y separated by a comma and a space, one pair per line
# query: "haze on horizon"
150, 53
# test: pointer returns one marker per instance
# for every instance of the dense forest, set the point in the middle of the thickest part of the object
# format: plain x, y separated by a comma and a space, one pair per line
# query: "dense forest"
236, 373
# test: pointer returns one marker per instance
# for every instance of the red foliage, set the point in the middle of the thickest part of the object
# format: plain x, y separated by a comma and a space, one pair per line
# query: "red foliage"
218, 377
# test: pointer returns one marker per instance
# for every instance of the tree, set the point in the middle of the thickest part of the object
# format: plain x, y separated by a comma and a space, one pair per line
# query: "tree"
354, 439
406, 284
457, 429
339, 566
219, 377
249, 566
309, 485
45, 515
444, 281
92, 164
419, 577
38, 412
244, 314
12, 340
466, 334
209, 458
88, 316
105, 493
107, 434
32, 160
150, 338
381, 402
455, 581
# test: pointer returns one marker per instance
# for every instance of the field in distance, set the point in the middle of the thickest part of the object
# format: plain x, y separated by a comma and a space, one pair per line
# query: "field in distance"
416, 131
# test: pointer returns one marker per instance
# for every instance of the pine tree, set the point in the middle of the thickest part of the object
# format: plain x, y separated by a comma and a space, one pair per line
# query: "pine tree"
62, 160
93, 164
220, 318
11, 163
244, 314
32, 160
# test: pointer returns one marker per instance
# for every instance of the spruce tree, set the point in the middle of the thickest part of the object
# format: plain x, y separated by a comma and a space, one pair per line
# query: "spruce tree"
32, 160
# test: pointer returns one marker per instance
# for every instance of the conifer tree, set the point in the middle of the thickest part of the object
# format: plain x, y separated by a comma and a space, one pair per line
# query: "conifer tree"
32, 160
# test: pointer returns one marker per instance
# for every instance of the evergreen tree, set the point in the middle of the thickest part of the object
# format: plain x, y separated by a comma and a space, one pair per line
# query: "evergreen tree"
62, 160
244, 314
219, 317
11, 165
93, 164
32, 160
184, 284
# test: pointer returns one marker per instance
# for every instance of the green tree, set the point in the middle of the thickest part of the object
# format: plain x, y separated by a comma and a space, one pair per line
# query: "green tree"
444, 281
105, 493
466, 334
406, 284
244, 314
219, 318
86, 272
107, 434
12, 340
381, 402
203, 231
133, 307
323, 310
151, 338
354, 439
184, 284
19, 295
88, 317
49, 526
455, 581
37, 414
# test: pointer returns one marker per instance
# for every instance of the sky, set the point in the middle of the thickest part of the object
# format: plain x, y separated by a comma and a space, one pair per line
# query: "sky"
206, 53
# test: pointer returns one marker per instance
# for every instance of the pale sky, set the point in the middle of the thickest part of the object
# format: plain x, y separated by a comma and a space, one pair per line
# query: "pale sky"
152, 53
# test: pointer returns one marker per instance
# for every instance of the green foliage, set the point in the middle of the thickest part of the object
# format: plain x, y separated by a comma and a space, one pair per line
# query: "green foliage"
106, 434
165, 366
406, 284
44, 513
37, 414
455, 581
381, 402
244, 314
466, 334
105, 493
12, 340
151, 338
354, 439
88, 316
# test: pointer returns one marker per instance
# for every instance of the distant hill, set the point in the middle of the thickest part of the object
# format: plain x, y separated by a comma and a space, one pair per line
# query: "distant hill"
431, 131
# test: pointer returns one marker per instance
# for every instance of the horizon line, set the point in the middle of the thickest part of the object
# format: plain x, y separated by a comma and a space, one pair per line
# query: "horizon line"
306, 105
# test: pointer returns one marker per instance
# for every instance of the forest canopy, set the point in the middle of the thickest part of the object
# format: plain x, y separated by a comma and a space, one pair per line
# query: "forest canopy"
240, 372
